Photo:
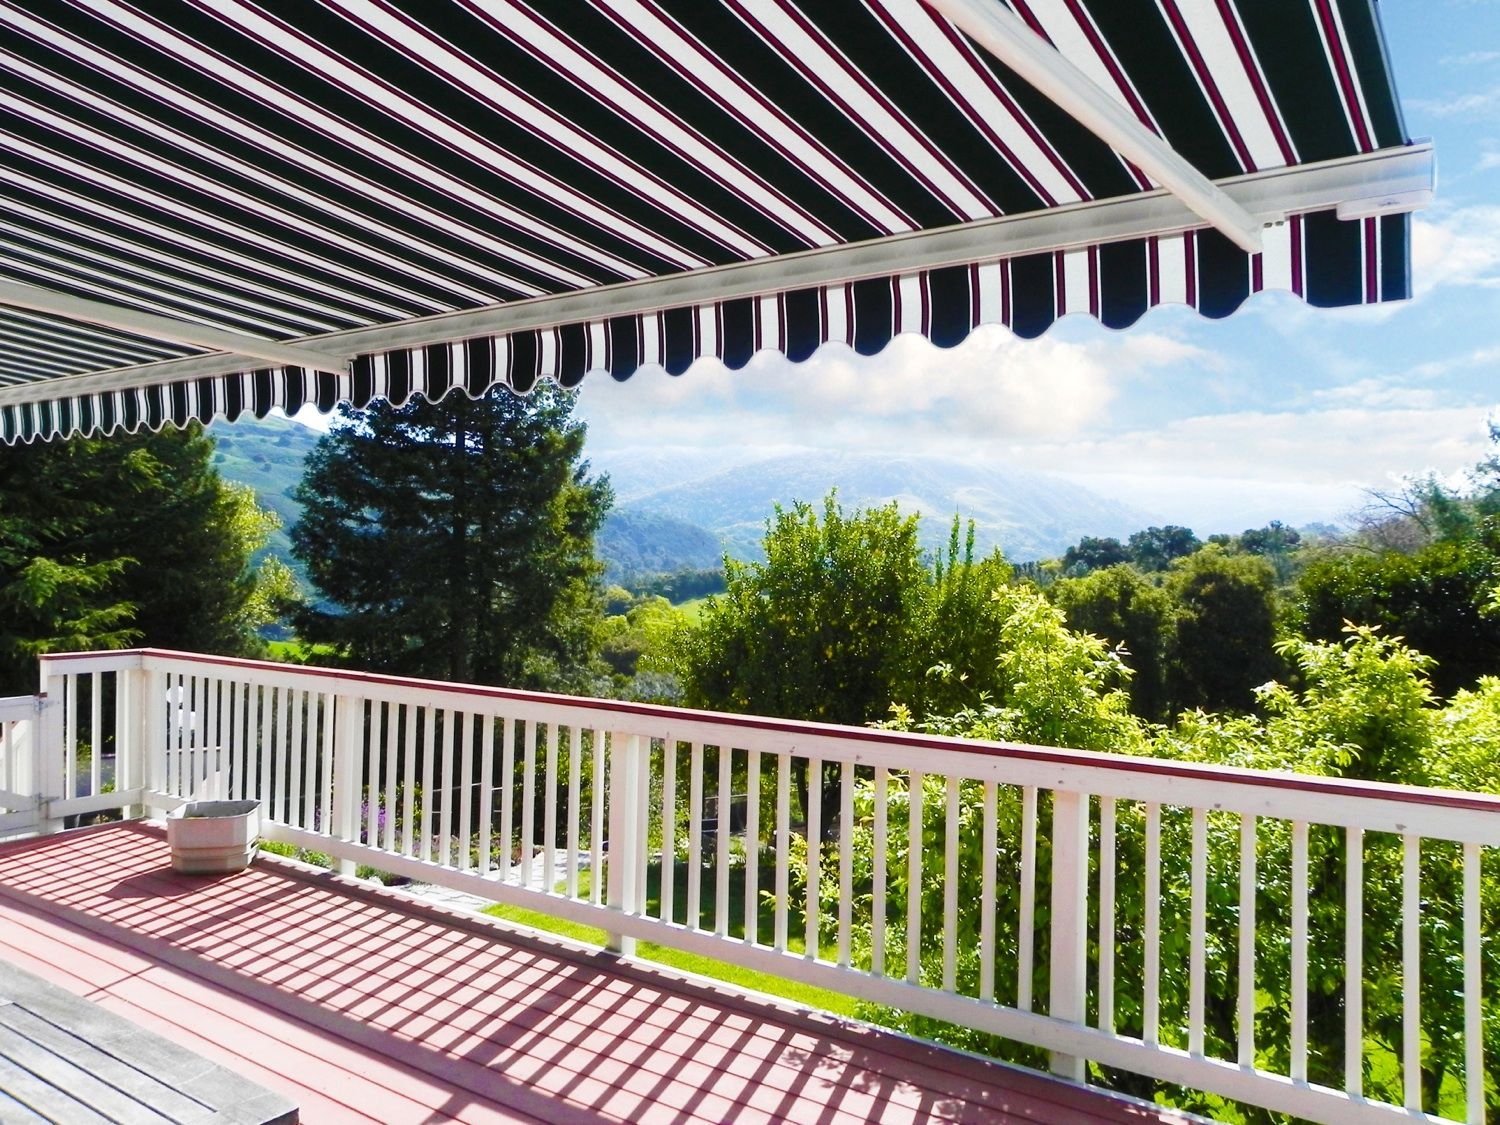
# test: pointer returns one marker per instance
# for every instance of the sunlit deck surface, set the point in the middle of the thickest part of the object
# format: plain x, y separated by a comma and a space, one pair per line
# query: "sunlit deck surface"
364, 1005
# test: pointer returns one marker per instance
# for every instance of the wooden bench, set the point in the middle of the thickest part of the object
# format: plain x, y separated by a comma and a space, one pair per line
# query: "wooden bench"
65, 1059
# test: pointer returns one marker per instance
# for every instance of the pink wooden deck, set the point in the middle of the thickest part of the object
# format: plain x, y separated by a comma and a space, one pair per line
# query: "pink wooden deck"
366, 1006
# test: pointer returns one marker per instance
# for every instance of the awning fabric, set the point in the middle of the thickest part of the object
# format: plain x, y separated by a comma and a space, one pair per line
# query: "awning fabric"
295, 170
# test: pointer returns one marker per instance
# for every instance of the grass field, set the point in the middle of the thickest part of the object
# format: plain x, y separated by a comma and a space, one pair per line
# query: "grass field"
704, 966
693, 607
299, 652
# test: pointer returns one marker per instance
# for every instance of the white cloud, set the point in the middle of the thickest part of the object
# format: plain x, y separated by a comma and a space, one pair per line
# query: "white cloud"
993, 388
1473, 58
1476, 103
1349, 446
1376, 394
1459, 248
1478, 357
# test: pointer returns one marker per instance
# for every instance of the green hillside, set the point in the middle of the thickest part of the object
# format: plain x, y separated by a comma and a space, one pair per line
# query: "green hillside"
267, 455
1028, 515
634, 543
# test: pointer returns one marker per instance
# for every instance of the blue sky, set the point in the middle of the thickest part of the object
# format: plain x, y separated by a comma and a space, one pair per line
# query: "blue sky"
1281, 411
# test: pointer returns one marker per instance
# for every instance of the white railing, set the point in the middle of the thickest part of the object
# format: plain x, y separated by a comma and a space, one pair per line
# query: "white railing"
29, 725
1192, 917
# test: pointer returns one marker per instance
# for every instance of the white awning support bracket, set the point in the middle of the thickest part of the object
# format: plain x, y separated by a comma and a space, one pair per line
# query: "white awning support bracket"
1005, 35
38, 299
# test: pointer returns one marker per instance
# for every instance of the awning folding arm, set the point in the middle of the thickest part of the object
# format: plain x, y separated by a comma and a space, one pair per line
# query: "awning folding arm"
38, 299
1005, 35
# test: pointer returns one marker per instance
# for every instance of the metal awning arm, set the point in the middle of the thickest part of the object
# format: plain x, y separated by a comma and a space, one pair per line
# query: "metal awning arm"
38, 299
1005, 35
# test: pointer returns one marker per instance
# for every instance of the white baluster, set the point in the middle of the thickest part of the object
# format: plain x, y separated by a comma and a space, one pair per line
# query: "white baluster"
390, 752
596, 828
549, 810
1411, 970
96, 732
752, 846
813, 918
464, 791
487, 799
508, 800
1151, 1004
1299, 951
1354, 962
374, 759
1247, 942
575, 770
1068, 983
878, 873
783, 847
914, 878
695, 837
721, 841
1473, 1009
950, 886
1027, 936
1197, 925
529, 733
1107, 914
988, 844
409, 774
451, 790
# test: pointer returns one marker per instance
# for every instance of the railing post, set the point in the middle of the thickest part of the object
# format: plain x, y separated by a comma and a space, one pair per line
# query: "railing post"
155, 750
1070, 912
348, 730
625, 839
49, 769
130, 734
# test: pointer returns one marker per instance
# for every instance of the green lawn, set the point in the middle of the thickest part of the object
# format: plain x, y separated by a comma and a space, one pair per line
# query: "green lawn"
298, 652
693, 607
808, 995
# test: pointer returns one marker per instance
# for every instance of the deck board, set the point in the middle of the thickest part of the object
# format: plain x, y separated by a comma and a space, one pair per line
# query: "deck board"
366, 1005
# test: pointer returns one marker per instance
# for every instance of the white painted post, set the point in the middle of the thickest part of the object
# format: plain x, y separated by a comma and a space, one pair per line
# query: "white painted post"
154, 750
49, 755
347, 732
1070, 913
130, 734
624, 831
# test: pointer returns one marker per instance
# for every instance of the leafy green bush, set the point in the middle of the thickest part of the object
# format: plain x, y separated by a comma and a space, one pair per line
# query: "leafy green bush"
1360, 708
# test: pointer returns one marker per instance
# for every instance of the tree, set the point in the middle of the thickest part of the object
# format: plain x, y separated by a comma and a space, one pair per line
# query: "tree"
1273, 539
131, 539
455, 539
1156, 547
1223, 632
824, 629
1362, 708
1131, 613
1434, 597
1094, 554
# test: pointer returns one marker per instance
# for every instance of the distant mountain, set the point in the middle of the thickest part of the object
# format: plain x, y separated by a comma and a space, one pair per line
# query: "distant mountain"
267, 455
685, 508
1028, 515
635, 543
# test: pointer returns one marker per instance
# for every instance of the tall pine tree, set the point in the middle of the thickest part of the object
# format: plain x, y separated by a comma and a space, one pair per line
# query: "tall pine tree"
129, 539
455, 540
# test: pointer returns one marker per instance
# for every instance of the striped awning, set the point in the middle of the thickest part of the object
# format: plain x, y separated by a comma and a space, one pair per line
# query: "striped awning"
217, 206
